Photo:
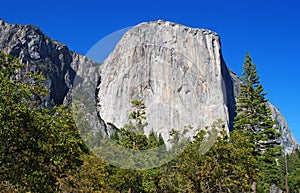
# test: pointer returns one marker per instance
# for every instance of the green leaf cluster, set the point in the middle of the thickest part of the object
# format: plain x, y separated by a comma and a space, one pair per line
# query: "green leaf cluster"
37, 145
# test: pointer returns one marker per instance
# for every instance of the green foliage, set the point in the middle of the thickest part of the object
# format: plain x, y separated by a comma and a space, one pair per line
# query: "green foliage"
132, 136
37, 145
254, 116
253, 113
294, 180
228, 166
137, 116
90, 137
91, 176
292, 163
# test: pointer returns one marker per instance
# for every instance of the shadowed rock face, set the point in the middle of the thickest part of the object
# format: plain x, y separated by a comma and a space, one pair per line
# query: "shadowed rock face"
178, 71
40, 53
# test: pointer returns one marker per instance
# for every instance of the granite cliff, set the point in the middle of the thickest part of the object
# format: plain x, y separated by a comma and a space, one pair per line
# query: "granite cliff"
40, 53
178, 71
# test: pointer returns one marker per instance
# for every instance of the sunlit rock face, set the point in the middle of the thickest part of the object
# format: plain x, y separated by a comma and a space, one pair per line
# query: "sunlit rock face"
177, 71
287, 138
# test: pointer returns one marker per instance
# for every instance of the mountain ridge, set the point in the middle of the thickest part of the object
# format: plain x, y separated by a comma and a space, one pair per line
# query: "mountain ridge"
40, 53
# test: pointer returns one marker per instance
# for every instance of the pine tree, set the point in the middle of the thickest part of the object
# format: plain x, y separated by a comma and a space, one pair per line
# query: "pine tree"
132, 136
255, 117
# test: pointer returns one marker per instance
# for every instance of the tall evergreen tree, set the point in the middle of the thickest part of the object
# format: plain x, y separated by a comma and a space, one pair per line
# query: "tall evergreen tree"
255, 117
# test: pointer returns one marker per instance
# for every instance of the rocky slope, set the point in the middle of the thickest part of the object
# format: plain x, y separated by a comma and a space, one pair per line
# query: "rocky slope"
178, 71
40, 53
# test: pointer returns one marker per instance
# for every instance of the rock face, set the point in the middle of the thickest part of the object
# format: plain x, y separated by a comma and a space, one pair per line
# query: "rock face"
181, 76
40, 53
287, 138
275, 189
178, 71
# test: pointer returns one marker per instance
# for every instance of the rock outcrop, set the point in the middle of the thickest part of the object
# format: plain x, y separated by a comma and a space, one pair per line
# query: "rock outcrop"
177, 71
40, 53
287, 138
275, 189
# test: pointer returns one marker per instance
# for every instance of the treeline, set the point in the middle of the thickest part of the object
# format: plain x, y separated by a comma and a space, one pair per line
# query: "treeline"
41, 149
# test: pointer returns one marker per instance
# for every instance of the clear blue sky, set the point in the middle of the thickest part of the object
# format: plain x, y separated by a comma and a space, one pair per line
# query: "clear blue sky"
268, 29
